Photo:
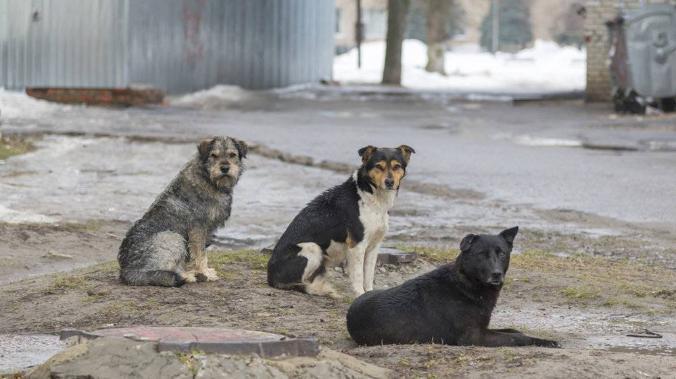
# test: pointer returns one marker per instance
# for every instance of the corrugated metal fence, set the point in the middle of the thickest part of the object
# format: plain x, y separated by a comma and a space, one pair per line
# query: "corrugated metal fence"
61, 43
174, 45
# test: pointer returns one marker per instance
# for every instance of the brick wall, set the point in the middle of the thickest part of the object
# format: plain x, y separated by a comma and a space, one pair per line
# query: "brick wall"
596, 36
125, 97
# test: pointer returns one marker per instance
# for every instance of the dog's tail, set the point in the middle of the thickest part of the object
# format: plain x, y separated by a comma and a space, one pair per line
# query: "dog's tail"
162, 278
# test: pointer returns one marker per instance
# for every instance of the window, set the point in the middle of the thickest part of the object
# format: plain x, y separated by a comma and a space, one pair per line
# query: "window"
375, 23
339, 19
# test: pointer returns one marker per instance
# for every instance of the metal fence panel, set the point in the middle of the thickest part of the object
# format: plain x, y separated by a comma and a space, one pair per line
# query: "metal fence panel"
174, 45
184, 45
64, 43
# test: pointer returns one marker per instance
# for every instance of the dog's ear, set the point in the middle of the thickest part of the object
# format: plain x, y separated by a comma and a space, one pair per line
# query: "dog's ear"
467, 242
509, 234
366, 152
204, 147
242, 148
406, 151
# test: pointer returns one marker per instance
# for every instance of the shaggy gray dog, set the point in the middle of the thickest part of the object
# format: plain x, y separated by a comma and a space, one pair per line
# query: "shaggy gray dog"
166, 247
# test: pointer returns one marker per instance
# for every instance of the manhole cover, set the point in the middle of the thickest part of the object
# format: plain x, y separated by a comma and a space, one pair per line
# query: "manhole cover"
210, 340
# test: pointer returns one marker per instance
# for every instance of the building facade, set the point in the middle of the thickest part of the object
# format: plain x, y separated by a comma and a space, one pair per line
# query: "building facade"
544, 14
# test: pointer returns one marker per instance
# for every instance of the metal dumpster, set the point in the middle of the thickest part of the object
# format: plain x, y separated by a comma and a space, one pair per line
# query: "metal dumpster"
643, 58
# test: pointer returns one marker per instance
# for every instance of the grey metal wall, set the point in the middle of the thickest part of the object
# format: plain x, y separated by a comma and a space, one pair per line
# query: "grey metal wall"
250, 43
174, 45
63, 43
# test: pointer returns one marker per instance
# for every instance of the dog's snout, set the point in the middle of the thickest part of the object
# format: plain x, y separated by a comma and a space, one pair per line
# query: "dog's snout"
496, 276
389, 182
225, 168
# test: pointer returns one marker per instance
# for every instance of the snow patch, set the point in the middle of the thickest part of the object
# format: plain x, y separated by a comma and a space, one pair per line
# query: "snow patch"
214, 97
544, 68
11, 216
18, 105
544, 141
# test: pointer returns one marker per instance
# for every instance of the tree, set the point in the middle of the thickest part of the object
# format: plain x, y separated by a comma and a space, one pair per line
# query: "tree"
417, 20
514, 30
438, 12
397, 10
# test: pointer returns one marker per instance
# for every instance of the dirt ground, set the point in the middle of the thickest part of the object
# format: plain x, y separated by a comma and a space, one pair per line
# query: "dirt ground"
578, 300
34, 249
570, 280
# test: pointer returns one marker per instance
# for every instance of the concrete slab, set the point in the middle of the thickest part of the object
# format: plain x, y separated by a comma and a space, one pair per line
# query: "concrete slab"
114, 357
395, 257
210, 340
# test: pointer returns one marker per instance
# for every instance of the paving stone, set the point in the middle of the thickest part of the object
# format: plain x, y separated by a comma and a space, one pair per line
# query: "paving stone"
395, 257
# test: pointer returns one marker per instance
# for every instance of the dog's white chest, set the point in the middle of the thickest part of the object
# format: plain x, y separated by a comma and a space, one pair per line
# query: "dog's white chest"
373, 218
373, 214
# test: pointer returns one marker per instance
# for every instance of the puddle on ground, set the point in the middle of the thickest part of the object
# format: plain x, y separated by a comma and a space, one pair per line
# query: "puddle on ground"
624, 344
18, 352
528, 140
113, 179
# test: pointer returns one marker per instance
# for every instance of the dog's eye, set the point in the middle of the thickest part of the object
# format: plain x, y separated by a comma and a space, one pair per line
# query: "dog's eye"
396, 167
232, 155
381, 168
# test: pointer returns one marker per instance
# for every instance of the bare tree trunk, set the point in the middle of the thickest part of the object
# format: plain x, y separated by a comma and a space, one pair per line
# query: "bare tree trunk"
397, 10
437, 33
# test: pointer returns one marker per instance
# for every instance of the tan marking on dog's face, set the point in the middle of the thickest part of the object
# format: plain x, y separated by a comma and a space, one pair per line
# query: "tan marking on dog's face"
384, 171
378, 174
398, 172
222, 160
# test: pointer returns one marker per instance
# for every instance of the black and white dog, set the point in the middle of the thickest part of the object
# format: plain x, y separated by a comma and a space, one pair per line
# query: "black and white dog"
347, 222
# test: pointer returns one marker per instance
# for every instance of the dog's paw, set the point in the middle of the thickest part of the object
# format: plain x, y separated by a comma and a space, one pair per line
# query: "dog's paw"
546, 343
189, 277
334, 295
210, 274
201, 277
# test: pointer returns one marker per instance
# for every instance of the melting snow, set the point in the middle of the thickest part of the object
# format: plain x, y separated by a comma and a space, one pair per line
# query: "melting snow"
18, 105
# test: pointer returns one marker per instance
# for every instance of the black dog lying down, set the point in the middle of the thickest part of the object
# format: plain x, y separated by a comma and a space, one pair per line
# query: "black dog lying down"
450, 305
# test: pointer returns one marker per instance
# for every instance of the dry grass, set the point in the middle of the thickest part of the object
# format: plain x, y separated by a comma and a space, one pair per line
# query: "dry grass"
255, 260
11, 146
436, 255
582, 279
63, 283
587, 280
